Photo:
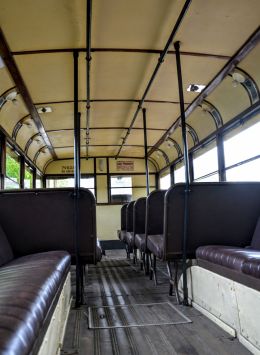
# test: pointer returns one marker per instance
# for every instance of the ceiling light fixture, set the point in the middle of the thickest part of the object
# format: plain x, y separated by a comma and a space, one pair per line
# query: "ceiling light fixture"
196, 87
44, 109
170, 144
37, 140
2, 63
28, 122
237, 79
11, 96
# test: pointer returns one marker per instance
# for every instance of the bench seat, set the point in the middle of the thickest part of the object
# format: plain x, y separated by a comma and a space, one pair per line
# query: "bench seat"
228, 256
29, 289
140, 242
155, 244
130, 239
252, 267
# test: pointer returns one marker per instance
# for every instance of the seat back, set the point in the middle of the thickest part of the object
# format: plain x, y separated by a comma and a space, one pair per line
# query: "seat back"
129, 217
43, 220
139, 215
123, 217
155, 212
219, 213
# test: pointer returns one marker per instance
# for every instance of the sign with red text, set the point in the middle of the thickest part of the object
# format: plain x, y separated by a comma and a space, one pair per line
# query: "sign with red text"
126, 165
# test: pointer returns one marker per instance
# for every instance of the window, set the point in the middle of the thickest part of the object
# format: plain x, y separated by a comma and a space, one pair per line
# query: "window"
246, 172
243, 145
60, 182
179, 173
205, 163
39, 184
28, 178
121, 188
165, 182
239, 147
12, 178
88, 183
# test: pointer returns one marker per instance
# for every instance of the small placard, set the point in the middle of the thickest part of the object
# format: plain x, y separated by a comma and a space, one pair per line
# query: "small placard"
126, 165
67, 169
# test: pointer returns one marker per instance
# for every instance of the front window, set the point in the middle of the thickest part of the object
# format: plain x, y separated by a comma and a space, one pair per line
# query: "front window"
121, 188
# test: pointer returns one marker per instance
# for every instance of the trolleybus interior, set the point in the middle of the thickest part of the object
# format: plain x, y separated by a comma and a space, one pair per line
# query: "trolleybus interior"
129, 177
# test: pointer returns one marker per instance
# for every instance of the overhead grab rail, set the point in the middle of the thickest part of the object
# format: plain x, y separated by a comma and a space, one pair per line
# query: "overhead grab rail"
22, 88
242, 52
155, 72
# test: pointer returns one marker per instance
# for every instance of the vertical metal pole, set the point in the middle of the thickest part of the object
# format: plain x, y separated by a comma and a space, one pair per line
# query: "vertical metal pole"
95, 177
187, 175
221, 157
191, 170
2, 160
172, 174
34, 178
108, 182
76, 180
146, 153
22, 172
88, 59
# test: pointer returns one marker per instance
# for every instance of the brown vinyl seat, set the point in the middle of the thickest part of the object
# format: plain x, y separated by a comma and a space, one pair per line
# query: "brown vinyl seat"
252, 267
140, 242
228, 256
155, 244
129, 239
29, 288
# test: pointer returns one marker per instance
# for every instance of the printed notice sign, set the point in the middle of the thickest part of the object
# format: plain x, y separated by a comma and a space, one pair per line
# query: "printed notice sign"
67, 169
127, 165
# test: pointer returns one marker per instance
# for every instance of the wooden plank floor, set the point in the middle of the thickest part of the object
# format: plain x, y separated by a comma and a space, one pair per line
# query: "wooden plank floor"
115, 281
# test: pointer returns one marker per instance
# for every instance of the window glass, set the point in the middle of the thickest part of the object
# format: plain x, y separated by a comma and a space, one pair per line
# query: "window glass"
87, 182
246, 172
10, 184
243, 145
59, 183
121, 188
39, 184
165, 182
28, 178
205, 160
210, 178
179, 173
12, 179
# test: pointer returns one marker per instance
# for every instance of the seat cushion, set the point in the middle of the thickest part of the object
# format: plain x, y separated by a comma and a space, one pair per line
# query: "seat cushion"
140, 242
231, 257
255, 243
252, 267
98, 251
6, 253
155, 243
129, 239
28, 287
122, 235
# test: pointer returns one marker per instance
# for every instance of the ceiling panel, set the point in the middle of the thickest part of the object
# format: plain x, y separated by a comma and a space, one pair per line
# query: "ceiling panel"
218, 27
195, 70
48, 77
34, 24
61, 117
